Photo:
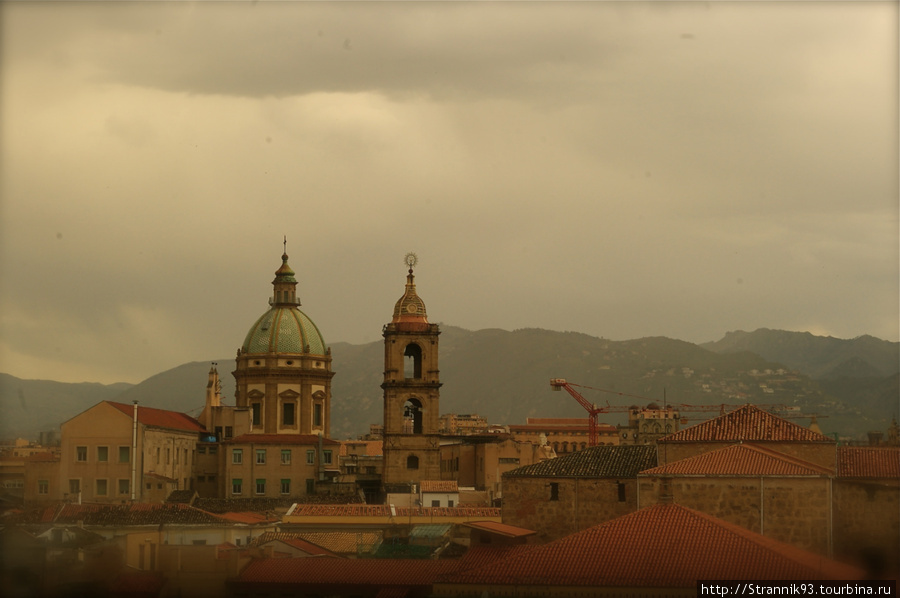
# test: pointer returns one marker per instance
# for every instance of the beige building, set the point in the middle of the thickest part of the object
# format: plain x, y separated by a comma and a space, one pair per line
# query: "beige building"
479, 462
115, 452
276, 465
563, 434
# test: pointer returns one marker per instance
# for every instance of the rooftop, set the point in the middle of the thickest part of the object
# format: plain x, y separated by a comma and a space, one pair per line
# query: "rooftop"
594, 462
441, 486
740, 460
750, 424
636, 550
867, 462
160, 418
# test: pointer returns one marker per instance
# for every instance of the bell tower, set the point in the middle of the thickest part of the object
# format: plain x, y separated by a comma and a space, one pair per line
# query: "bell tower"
411, 392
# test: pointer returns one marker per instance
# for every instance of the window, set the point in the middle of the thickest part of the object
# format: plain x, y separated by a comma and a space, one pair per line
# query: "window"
285, 456
74, 486
310, 457
412, 365
412, 462
81, 453
285, 486
149, 486
237, 486
43, 487
260, 456
218, 432
213, 450
101, 487
450, 503
260, 486
201, 450
185, 453
257, 413
326, 457
102, 454
124, 454
124, 486
435, 503
157, 455
554, 491
287, 414
229, 432
237, 456
310, 486
317, 414
168, 456
621, 491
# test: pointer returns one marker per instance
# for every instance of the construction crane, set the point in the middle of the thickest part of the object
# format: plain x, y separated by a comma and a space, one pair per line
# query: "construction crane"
592, 409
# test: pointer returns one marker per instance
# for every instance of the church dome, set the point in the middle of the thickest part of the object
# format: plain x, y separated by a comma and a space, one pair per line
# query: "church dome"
409, 311
284, 328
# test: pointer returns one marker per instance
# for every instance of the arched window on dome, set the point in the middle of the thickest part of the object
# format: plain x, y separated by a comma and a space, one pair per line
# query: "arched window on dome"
412, 417
412, 361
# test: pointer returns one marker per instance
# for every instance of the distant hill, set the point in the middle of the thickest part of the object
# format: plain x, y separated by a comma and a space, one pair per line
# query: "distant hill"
505, 376
29, 407
816, 356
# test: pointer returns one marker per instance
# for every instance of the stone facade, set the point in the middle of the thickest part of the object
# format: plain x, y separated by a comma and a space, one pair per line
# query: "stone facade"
795, 510
558, 507
411, 394
867, 523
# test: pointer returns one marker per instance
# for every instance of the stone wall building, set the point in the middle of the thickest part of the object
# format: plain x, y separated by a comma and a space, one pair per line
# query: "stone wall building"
867, 507
573, 492
762, 490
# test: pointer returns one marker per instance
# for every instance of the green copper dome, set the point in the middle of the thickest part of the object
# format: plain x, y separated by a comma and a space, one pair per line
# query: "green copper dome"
284, 328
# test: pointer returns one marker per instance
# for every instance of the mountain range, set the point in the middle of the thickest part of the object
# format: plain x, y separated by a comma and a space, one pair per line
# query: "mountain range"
504, 375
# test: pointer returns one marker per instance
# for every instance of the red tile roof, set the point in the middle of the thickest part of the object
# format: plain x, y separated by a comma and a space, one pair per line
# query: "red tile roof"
372, 448
750, 424
740, 460
663, 546
866, 462
160, 418
384, 573
248, 518
307, 547
129, 514
502, 529
440, 486
303, 510
304, 439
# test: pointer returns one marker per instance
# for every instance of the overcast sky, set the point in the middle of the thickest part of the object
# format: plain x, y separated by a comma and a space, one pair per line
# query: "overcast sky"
623, 170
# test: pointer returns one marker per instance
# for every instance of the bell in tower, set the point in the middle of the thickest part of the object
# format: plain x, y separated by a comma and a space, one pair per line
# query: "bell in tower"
411, 393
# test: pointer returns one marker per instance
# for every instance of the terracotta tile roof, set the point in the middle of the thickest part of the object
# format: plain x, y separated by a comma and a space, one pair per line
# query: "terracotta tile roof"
636, 550
384, 573
372, 448
304, 439
305, 546
133, 514
502, 529
248, 518
750, 424
301, 510
740, 460
161, 418
439, 486
336, 542
867, 462
593, 462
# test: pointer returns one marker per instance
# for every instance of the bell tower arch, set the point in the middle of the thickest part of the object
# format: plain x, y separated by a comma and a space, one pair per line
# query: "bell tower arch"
411, 392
